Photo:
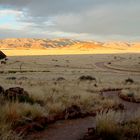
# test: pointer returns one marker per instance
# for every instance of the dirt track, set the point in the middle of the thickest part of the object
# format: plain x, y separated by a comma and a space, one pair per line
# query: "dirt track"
129, 106
75, 129
65, 130
105, 66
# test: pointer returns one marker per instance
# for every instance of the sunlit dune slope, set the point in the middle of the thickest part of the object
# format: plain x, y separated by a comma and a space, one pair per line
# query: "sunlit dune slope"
64, 46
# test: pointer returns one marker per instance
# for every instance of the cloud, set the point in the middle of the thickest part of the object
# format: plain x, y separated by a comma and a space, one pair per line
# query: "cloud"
103, 20
6, 12
117, 19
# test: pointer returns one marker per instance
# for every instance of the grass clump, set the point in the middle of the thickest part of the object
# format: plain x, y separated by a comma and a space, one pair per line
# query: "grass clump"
107, 127
15, 114
112, 125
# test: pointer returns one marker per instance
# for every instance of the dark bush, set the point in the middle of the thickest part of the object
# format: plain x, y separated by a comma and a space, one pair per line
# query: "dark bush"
109, 63
129, 80
90, 78
11, 78
17, 94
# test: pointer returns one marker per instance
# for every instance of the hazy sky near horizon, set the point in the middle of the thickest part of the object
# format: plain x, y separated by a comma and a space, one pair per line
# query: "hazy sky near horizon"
77, 19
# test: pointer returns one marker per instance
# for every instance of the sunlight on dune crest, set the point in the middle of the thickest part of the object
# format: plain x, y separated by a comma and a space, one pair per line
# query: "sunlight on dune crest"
24, 46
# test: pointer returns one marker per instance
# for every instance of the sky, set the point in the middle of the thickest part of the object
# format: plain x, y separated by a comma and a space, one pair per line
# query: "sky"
77, 19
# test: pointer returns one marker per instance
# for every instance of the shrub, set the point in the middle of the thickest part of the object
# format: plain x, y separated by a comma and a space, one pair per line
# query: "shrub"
109, 63
129, 80
11, 78
90, 78
130, 94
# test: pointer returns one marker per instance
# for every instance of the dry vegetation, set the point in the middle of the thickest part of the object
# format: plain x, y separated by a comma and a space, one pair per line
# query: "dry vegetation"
114, 126
57, 84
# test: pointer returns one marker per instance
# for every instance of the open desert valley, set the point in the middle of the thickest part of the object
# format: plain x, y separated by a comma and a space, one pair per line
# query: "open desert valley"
69, 69
81, 96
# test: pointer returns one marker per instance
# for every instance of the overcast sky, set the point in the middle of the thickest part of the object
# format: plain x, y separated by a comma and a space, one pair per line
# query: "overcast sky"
78, 19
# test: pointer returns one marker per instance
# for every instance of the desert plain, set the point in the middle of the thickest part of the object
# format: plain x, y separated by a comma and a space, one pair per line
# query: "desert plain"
71, 94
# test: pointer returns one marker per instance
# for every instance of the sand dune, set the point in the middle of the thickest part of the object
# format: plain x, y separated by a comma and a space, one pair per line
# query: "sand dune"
25, 46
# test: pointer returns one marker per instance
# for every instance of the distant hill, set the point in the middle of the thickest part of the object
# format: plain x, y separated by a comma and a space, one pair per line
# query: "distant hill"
36, 43
25, 43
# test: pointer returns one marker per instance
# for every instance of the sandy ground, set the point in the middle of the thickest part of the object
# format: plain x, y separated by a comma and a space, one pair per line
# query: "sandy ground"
71, 67
63, 51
